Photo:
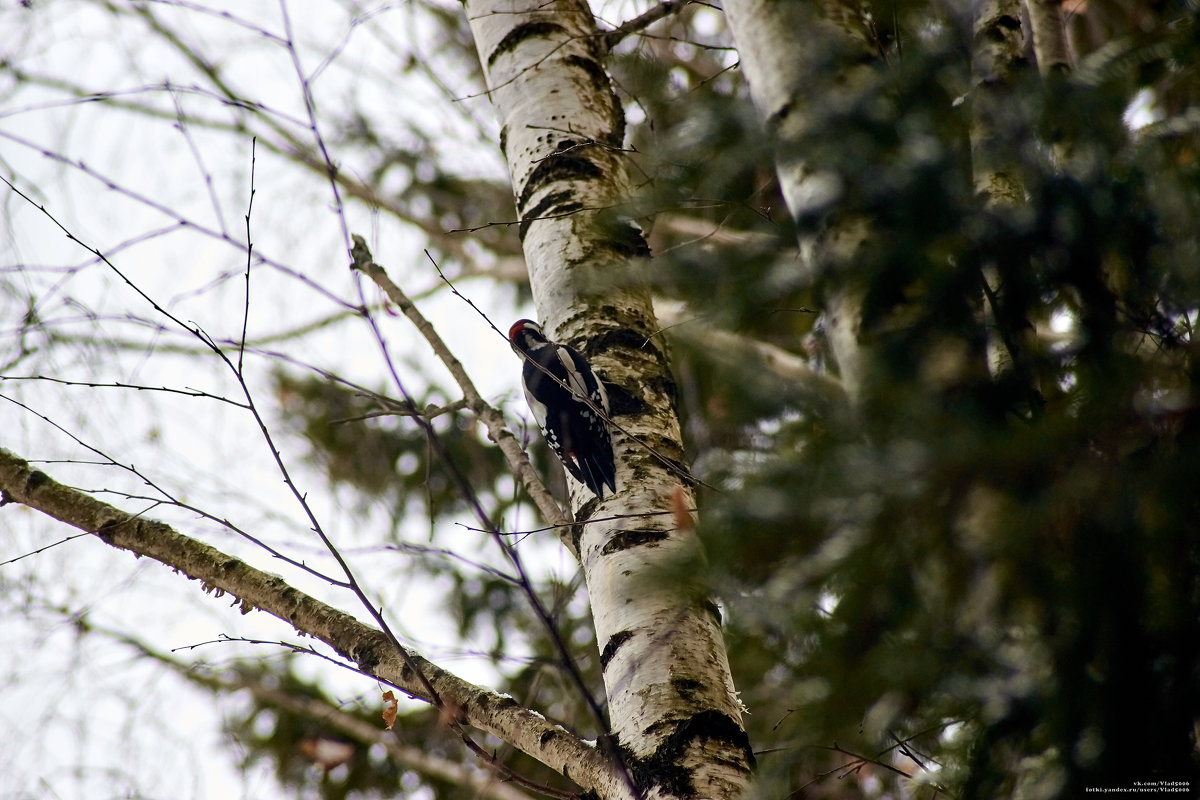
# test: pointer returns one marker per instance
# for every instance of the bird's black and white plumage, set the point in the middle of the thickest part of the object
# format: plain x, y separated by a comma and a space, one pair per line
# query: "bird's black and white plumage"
575, 432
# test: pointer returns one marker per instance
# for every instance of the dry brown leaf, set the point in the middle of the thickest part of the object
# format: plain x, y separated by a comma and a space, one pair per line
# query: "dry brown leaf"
390, 709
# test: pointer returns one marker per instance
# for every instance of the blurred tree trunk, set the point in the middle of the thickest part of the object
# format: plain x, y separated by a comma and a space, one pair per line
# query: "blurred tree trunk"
1048, 25
997, 63
671, 704
782, 48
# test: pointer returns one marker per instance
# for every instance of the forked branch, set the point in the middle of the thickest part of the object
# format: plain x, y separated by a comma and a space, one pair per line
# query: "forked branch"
492, 419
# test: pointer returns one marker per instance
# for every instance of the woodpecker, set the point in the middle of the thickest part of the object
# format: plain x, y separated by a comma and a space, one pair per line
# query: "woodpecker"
575, 432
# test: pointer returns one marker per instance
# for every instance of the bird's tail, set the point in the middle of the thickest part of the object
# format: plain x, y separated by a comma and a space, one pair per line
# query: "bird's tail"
596, 474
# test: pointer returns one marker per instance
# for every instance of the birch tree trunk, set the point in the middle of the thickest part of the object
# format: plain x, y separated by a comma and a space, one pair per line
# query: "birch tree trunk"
996, 67
999, 48
1052, 50
673, 713
780, 46
1049, 28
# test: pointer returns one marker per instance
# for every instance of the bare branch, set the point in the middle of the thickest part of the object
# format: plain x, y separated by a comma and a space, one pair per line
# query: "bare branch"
332, 716
394, 409
373, 651
150, 202
492, 419
275, 132
643, 21
817, 391
363, 260
351, 581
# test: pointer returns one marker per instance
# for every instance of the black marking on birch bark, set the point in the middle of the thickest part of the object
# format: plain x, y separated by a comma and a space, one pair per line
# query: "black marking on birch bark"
584, 513
637, 537
622, 402
616, 138
520, 33
999, 31
487, 703
662, 766
610, 648
602, 86
627, 338
665, 386
36, 479
603, 249
674, 780
546, 738
558, 167
686, 688
648, 467
108, 530
504, 141
596, 74
552, 205
712, 725
576, 533
621, 236
290, 599
664, 446
628, 240
711, 607
775, 121
996, 27
368, 660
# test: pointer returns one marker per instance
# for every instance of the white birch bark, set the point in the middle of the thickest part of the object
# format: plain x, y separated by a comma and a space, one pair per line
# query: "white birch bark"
1052, 50
1049, 27
999, 59
778, 44
997, 50
670, 697
998, 56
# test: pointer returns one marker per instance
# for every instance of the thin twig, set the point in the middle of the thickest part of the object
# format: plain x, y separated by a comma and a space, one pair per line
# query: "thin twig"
182, 126
186, 391
400, 410
170, 499
150, 202
301, 498
5, 501
580, 523
249, 254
